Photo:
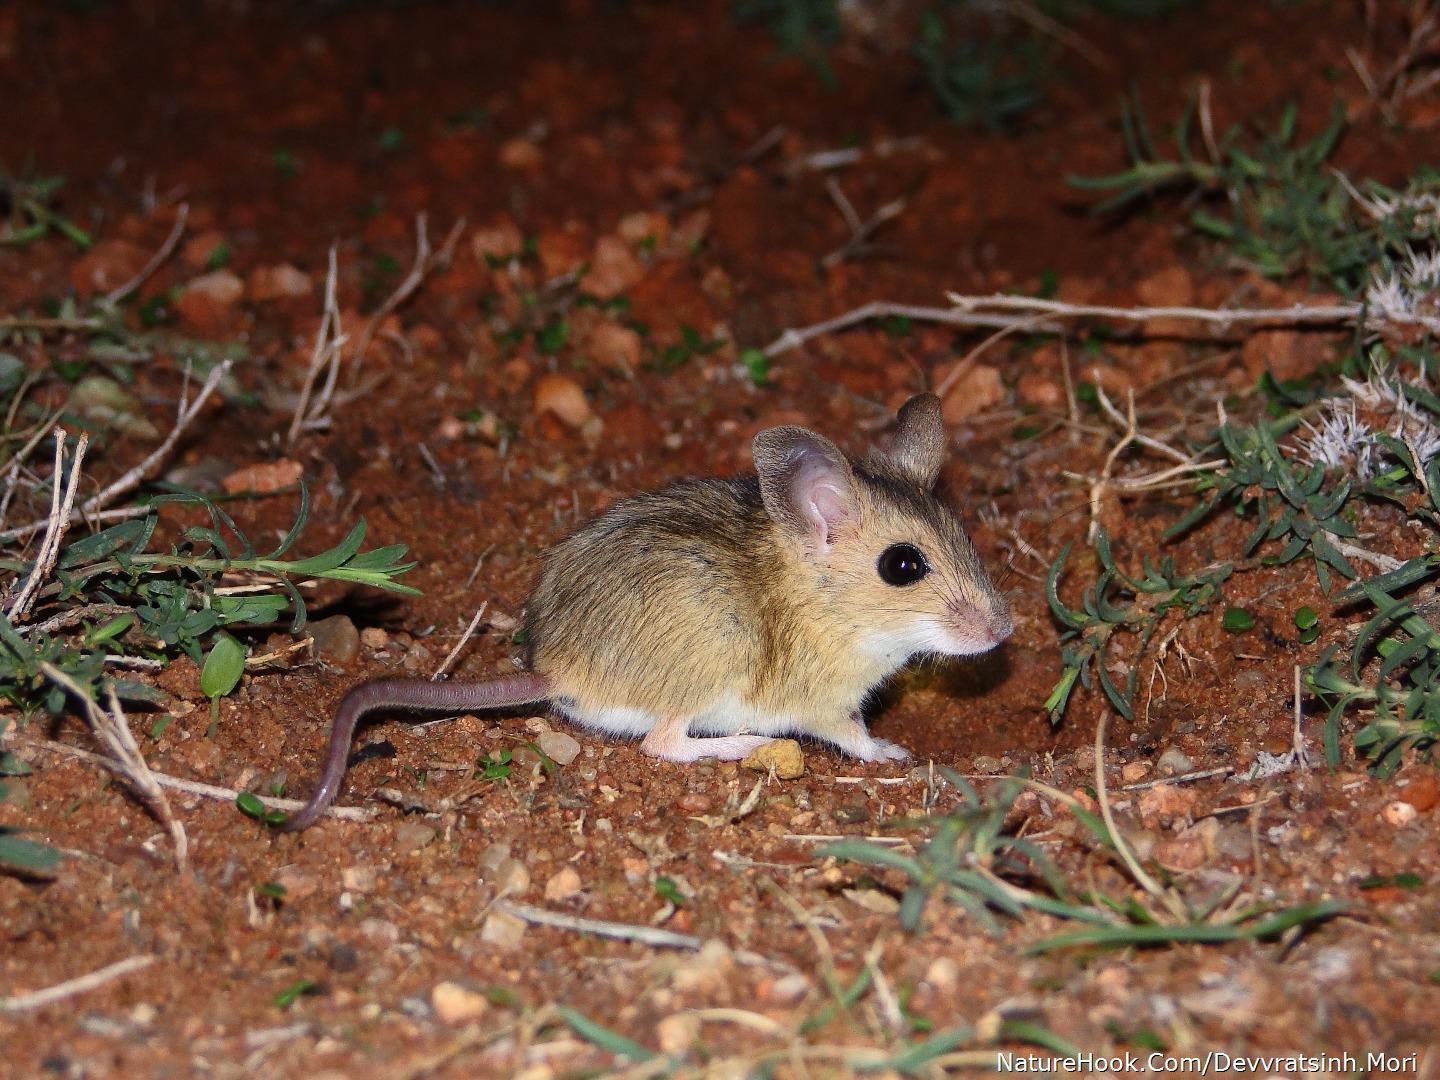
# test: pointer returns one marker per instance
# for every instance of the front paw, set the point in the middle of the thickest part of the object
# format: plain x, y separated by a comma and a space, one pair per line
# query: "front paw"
882, 750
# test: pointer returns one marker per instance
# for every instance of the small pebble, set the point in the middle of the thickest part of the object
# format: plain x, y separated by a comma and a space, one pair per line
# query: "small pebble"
335, 638
297, 883
373, 637
881, 903
380, 929
1399, 814
343, 958
493, 857
1174, 762
783, 755
361, 879
563, 398
413, 835
1422, 792
264, 477
502, 930
563, 884
558, 746
1134, 772
943, 973
708, 969
455, 1004
788, 989
677, 1033
511, 877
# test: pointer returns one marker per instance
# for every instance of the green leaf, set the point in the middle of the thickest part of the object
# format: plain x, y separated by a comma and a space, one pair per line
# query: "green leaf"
1071, 618
223, 667
250, 805
1305, 618
337, 556
287, 997
110, 630
1237, 619
667, 890
603, 1037
302, 515
26, 854
93, 548
757, 364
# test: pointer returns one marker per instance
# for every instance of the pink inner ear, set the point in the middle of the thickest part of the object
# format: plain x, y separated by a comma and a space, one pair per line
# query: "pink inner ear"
822, 497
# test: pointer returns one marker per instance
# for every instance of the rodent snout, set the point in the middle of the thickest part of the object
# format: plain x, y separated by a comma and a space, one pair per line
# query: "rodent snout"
998, 623
987, 624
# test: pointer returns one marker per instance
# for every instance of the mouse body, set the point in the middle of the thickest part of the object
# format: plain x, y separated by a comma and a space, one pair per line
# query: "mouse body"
716, 614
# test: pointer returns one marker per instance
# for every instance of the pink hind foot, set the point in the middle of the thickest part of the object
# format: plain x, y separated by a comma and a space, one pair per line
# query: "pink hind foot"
668, 741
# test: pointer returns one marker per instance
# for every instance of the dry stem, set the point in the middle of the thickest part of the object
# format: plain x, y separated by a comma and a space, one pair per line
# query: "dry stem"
208, 791
56, 525
81, 985
114, 296
112, 731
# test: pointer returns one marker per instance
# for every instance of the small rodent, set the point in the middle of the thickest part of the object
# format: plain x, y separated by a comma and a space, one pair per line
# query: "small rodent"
713, 615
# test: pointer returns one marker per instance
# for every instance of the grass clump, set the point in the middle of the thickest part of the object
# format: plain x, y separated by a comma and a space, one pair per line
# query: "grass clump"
1310, 484
30, 213
984, 64
115, 600
1286, 210
972, 862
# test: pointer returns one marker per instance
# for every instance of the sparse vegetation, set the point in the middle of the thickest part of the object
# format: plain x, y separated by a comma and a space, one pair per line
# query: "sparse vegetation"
973, 862
986, 65
1286, 210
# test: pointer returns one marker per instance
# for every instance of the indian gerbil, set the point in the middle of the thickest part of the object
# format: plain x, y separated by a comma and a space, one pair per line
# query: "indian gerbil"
714, 615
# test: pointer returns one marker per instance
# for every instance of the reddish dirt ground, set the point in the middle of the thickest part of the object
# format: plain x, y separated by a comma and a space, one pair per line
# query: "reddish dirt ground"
637, 139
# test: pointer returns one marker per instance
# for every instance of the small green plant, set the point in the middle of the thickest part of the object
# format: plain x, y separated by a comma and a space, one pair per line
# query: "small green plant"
987, 81
250, 805
1237, 620
1116, 602
1286, 210
691, 344
112, 597
1289, 501
292, 993
496, 766
16, 852
31, 214
757, 365
972, 862
287, 165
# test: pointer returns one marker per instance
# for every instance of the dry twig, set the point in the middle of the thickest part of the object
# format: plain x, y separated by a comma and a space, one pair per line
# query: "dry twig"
112, 731
56, 525
114, 296
94, 507
208, 791
71, 987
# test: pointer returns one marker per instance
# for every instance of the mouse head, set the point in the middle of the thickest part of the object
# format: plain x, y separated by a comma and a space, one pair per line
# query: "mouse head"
877, 539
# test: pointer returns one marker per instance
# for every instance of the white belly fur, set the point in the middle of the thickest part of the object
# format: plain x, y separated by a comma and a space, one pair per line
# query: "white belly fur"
727, 716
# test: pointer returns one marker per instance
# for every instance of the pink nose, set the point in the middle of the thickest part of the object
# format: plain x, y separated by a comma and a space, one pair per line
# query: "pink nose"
992, 624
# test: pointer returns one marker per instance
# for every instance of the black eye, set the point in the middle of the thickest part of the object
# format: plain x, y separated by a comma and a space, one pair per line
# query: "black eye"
902, 564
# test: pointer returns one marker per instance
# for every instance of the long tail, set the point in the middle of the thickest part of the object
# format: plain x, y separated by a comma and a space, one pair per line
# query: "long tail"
408, 695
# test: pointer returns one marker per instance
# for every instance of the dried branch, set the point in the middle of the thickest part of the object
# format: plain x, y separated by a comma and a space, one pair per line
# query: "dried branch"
56, 525
71, 987
208, 791
112, 731
114, 296
325, 356
94, 507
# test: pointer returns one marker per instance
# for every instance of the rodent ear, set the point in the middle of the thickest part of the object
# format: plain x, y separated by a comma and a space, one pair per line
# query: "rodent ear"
919, 447
806, 484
